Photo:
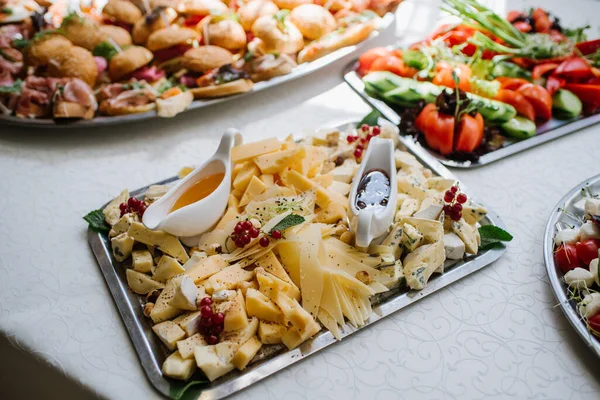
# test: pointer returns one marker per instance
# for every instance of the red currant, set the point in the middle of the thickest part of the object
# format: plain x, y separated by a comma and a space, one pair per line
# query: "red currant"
216, 329
360, 146
205, 330
376, 130
264, 241
369, 137
123, 207
245, 239
448, 209
461, 198
212, 339
363, 140
205, 321
350, 138
238, 242
454, 189
364, 127
358, 153
206, 311
218, 318
132, 202
276, 234
238, 228
206, 301
455, 216
253, 232
448, 197
457, 208
246, 225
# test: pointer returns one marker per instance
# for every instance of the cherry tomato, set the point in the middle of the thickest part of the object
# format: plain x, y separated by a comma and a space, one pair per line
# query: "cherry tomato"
438, 129
513, 15
587, 250
542, 69
523, 26
565, 256
393, 64
511, 83
574, 68
443, 75
518, 101
541, 20
368, 57
594, 322
539, 98
470, 133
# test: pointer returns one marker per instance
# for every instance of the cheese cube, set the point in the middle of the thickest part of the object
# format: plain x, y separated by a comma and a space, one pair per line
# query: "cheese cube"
141, 283
176, 367
407, 208
242, 335
271, 332
275, 162
326, 180
210, 363
293, 338
260, 306
244, 286
186, 293
243, 178
344, 173
142, 261
567, 236
294, 313
219, 296
411, 237
121, 226
236, 317
254, 149
331, 214
167, 268
473, 212
199, 268
189, 322
246, 353
169, 333
163, 310
111, 212
255, 187
122, 245
439, 184
186, 347
453, 246
430, 209
268, 180
166, 243
227, 278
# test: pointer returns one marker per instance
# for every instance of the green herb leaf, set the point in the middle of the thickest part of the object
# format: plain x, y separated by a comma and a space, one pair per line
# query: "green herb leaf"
280, 17
248, 56
492, 236
415, 59
14, 88
106, 50
183, 390
577, 35
20, 43
96, 221
288, 222
6, 10
371, 119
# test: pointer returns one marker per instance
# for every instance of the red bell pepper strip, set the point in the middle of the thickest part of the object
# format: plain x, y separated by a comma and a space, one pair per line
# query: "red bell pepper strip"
368, 57
574, 68
553, 83
511, 83
589, 94
437, 127
589, 47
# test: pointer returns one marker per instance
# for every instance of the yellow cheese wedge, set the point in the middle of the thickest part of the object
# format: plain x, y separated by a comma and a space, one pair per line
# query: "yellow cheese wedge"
176, 367
228, 278
331, 213
255, 187
167, 268
162, 310
311, 270
236, 317
169, 333
260, 306
211, 363
271, 332
270, 285
271, 264
243, 178
230, 215
186, 347
199, 268
268, 180
166, 243
250, 150
275, 162
189, 322
122, 246
246, 353
330, 323
141, 283
111, 212
325, 181
293, 339
142, 261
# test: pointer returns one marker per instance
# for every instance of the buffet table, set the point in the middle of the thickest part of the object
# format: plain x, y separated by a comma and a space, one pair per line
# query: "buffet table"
494, 334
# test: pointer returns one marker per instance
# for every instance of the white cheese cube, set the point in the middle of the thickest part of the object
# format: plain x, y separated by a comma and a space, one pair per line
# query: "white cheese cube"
186, 347
592, 206
430, 209
404, 159
186, 293
189, 322
122, 245
210, 363
567, 236
453, 246
590, 305
176, 367
141, 283
589, 230
142, 261
169, 333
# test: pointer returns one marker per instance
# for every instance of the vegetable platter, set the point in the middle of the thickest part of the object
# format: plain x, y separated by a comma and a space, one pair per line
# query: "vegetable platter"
279, 277
118, 61
486, 87
571, 244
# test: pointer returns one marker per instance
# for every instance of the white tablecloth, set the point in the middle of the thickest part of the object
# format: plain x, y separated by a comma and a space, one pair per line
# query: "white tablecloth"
492, 335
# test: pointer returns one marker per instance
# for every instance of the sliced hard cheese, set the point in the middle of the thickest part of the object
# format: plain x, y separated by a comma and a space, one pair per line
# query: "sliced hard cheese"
467, 234
473, 212
421, 263
271, 286
260, 306
199, 268
122, 246
236, 317
271, 332
293, 338
167, 268
275, 162
121, 226
228, 278
255, 187
411, 237
243, 178
189, 322
331, 213
271, 264
176, 367
142, 261
166, 243
141, 283
246, 353
211, 363
186, 347
250, 150
162, 310
169, 333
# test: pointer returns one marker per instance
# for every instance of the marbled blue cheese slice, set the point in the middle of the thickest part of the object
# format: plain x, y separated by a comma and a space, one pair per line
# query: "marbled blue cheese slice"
122, 246
410, 185
422, 263
473, 212
408, 207
468, 234
411, 237
431, 230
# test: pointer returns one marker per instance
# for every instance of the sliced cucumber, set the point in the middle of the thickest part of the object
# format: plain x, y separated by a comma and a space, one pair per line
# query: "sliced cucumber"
565, 105
493, 111
511, 70
519, 128
382, 81
410, 92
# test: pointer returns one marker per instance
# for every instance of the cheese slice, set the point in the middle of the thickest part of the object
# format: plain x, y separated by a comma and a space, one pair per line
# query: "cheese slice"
228, 278
250, 150
141, 283
271, 332
186, 347
260, 306
243, 178
176, 367
112, 212
236, 317
255, 187
189, 322
311, 271
246, 353
271, 264
167, 268
166, 243
169, 333
275, 162
163, 310
199, 268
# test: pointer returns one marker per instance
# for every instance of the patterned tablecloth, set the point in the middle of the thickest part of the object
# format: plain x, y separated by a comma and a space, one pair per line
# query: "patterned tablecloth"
492, 335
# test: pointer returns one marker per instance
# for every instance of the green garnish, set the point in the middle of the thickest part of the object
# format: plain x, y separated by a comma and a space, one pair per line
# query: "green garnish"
106, 50
492, 236
248, 56
182, 390
6, 56
20, 43
371, 119
6, 10
288, 222
280, 17
576, 35
96, 221
415, 59
14, 88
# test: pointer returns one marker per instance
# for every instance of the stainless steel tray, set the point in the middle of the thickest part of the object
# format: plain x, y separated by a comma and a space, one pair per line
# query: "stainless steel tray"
546, 132
301, 70
558, 218
152, 353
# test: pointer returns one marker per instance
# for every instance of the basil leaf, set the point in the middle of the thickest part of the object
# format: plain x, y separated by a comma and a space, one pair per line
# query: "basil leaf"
371, 119
182, 390
106, 50
288, 222
96, 221
492, 236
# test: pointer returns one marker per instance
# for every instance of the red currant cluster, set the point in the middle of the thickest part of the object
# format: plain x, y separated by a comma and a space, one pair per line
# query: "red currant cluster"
454, 201
244, 232
365, 134
211, 323
133, 205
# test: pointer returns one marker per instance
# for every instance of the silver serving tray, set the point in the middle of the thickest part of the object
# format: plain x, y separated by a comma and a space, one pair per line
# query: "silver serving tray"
559, 219
152, 352
385, 23
546, 132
